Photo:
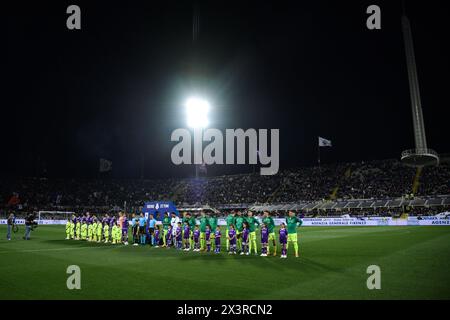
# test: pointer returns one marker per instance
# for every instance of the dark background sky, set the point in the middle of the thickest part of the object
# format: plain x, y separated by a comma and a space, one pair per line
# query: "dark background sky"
115, 88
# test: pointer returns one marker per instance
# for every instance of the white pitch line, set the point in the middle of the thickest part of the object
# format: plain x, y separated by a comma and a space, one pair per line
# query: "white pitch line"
54, 249
63, 249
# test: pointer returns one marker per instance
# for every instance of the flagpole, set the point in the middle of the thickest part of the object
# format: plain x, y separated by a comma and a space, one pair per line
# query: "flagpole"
142, 167
318, 153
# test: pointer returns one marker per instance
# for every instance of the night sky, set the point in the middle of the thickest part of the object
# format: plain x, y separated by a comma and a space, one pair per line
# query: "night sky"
115, 89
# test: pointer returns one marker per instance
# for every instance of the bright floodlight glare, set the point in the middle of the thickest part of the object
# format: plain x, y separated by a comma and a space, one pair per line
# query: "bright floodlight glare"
197, 113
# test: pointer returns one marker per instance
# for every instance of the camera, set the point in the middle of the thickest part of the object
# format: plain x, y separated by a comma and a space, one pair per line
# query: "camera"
34, 225
29, 221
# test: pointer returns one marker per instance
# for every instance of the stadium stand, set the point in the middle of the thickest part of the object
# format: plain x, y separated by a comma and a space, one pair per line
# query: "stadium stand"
363, 186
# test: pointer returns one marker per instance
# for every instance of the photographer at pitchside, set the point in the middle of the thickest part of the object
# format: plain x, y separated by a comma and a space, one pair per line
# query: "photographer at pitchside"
30, 224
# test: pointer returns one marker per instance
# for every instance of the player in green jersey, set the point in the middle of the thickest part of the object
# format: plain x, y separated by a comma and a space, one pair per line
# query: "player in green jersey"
186, 216
270, 224
99, 231
84, 230
68, 226
253, 223
72, 229
94, 230
231, 221
91, 228
166, 224
106, 232
239, 227
78, 230
116, 233
292, 223
185, 219
203, 223
212, 221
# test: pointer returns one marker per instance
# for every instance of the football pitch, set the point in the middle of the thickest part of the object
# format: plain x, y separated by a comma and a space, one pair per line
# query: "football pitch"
414, 263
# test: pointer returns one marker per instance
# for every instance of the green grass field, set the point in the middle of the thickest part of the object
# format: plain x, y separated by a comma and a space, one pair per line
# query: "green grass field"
414, 262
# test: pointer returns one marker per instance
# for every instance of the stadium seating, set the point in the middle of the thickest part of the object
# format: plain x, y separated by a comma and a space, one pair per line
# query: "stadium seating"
307, 188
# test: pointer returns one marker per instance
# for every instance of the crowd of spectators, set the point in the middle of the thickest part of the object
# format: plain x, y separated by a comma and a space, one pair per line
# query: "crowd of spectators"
45, 194
364, 180
396, 212
244, 188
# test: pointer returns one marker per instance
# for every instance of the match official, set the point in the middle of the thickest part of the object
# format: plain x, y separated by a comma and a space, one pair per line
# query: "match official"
151, 224
142, 224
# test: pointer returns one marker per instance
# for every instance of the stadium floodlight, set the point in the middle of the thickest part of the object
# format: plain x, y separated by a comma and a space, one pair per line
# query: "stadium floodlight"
197, 112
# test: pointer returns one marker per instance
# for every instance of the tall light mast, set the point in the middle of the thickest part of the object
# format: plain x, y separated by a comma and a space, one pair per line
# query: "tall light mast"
421, 155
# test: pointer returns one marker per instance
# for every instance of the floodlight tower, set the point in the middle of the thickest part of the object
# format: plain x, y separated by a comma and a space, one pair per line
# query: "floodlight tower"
197, 110
421, 155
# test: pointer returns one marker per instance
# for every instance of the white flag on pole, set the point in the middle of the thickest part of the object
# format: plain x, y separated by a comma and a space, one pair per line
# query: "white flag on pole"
324, 142
105, 165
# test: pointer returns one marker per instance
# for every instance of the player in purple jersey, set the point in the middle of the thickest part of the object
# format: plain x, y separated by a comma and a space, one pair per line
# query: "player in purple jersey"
217, 236
112, 222
245, 233
264, 240
169, 236
125, 230
105, 219
196, 236
283, 240
186, 236
208, 238
232, 239
179, 236
157, 236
